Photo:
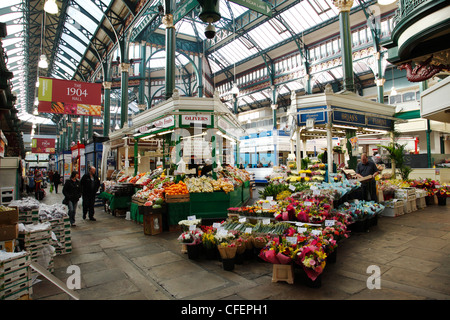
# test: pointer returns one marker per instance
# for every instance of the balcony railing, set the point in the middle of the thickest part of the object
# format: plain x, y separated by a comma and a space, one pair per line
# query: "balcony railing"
406, 7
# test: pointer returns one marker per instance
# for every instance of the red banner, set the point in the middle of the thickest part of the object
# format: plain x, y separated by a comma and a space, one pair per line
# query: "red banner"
39, 145
69, 97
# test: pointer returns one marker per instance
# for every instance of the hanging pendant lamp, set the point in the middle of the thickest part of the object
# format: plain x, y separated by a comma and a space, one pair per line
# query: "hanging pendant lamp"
51, 7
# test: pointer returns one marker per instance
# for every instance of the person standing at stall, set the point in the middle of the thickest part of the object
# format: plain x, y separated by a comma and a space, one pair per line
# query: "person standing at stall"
50, 180
89, 187
363, 169
56, 180
72, 194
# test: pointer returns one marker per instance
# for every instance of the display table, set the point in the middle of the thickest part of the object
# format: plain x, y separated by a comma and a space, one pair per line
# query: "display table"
116, 202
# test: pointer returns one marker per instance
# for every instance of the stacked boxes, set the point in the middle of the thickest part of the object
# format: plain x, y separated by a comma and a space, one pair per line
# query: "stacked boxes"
29, 216
420, 198
37, 240
15, 275
8, 223
408, 196
393, 208
61, 228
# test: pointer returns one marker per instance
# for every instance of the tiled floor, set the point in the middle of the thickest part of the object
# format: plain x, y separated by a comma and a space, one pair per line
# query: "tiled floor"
119, 262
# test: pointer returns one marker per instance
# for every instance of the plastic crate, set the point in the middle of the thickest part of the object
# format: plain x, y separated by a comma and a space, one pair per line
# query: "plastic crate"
421, 203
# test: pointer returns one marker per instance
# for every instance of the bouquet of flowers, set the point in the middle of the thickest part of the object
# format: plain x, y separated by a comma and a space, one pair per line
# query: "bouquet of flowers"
209, 240
192, 237
279, 252
260, 242
185, 224
227, 250
313, 260
338, 231
443, 191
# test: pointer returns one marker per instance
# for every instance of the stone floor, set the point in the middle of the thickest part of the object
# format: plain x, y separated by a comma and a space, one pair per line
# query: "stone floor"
118, 262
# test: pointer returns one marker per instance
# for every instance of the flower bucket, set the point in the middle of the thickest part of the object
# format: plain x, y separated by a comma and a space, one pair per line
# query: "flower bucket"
332, 256
313, 283
429, 200
193, 251
228, 264
239, 259
211, 253
442, 201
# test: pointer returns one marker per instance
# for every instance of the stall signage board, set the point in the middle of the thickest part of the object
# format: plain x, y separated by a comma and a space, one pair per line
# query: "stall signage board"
255, 5
379, 123
318, 115
196, 120
39, 145
163, 123
69, 97
184, 9
348, 118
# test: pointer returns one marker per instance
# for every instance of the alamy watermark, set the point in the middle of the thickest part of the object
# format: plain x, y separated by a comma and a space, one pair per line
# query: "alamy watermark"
374, 281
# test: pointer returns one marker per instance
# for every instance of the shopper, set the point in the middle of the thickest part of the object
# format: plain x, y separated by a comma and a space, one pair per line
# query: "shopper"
50, 180
56, 180
89, 187
38, 179
72, 194
364, 169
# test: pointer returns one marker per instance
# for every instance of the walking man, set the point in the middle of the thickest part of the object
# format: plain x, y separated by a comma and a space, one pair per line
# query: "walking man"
89, 186
71, 191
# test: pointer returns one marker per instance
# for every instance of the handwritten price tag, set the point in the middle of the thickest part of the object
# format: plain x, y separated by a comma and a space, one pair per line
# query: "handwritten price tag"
291, 187
266, 221
291, 240
308, 203
242, 220
301, 229
191, 218
316, 232
329, 223
269, 198
216, 225
192, 227
248, 230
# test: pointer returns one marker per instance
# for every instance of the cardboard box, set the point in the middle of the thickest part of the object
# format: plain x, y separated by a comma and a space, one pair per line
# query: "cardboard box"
152, 224
365, 179
9, 232
9, 217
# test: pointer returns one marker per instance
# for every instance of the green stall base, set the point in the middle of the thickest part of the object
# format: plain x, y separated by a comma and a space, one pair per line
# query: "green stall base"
245, 194
178, 211
134, 213
215, 204
116, 202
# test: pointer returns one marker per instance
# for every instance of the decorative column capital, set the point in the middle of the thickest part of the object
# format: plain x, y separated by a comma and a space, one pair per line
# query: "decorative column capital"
124, 67
380, 82
167, 20
107, 85
343, 5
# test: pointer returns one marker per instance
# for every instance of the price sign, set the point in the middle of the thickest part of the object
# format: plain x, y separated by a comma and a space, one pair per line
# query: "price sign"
248, 230
329, 223
216, 225
291, 240
269, 198
308, 203
266, 206
192, 227
242, 220
301, 229
266, 221
191, 218
291, 187
316, 232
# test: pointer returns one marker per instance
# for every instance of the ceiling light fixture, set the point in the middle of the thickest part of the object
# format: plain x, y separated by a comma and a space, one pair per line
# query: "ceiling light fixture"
43, 64
51, 7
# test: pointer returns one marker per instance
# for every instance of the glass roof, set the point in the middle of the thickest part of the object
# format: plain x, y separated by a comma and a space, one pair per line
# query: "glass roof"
83, 17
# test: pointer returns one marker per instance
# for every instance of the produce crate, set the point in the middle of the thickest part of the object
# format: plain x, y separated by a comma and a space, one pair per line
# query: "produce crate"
393, 209
177, 198
421, 203
405, 192
413, 205
14, 261
9, 217
153, 224
407, 206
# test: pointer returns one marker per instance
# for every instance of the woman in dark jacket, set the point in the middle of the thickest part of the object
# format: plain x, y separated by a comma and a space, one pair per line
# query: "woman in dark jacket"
72, 194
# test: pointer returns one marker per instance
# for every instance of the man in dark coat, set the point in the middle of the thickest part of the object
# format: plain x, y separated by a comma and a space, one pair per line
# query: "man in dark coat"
364, 169
72, 194
56, 180
89, 187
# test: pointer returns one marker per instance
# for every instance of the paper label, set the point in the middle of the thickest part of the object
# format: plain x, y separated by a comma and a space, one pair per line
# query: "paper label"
301, 229
316, 232
329, 223
308, 203
216, 225
192, 227
269, 198
266, 206
191, 218
242, 220
291, 187
266, 221
291, 240
248, 230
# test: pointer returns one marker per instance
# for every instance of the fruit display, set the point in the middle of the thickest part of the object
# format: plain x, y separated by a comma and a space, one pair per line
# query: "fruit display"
177, 189
196, 185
